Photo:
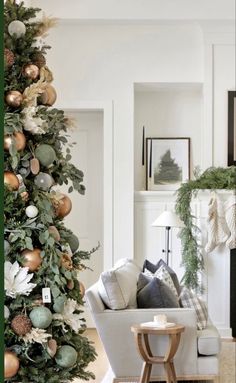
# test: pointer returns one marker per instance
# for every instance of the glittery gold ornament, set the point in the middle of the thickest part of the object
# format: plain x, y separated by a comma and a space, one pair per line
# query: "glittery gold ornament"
21, 324
11, 180
19, 140
66, 261
63, 207
9, 58
38, 59
11, 364
14, 98
48, 98
30, 71
31, 259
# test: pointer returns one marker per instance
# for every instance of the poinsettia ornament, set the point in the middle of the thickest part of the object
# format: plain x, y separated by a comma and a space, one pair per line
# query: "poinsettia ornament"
16, 280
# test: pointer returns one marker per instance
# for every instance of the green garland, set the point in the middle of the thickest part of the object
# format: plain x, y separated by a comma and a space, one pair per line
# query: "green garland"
192, 257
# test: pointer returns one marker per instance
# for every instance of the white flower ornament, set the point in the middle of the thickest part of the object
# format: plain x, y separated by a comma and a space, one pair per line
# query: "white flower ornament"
16, 280
67, 316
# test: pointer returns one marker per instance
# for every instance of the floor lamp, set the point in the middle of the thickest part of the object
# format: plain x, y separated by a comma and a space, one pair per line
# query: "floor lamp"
168, 219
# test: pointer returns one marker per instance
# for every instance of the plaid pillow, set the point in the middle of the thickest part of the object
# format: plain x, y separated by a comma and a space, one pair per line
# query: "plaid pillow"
164, 276
191, 300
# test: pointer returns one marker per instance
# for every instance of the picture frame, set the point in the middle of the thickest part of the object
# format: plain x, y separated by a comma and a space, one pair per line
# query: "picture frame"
231, 127
167, 162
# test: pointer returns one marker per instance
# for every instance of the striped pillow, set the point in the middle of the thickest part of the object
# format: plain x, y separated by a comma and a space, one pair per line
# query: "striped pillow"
190, 300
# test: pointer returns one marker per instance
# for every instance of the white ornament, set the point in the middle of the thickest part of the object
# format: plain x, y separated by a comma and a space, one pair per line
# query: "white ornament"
6, 312
43, 181
16, 280
32, 123
17, 28
31, 211
67, 316
36, 335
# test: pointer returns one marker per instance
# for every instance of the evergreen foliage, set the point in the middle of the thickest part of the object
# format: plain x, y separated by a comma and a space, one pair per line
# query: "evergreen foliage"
192, 257
48, 126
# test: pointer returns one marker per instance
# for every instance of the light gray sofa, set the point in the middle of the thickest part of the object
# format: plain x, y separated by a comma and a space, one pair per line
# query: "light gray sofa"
197, 356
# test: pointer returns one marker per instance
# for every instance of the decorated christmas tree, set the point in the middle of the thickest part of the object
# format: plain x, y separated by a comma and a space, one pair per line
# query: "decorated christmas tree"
167, 170
44, 324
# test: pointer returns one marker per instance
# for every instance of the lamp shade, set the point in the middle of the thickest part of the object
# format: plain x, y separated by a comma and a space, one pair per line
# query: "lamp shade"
168, 219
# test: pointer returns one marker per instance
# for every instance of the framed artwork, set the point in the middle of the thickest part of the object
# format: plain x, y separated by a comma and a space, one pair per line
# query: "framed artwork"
231, 127
167, 162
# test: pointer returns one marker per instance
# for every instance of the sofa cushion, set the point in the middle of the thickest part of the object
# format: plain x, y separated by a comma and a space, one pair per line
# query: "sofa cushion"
209, 341
191, 300
163, 274
153, 293
153, 268
118, 286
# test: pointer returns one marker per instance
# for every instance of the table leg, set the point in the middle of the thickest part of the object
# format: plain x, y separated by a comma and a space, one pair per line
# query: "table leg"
168, 373
146, 373
173, 372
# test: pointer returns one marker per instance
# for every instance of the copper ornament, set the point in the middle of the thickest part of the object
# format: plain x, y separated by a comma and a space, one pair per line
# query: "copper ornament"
49, 96
63, 207
14, 98
11, 180
21, 324
19, 138
70, 284
30, 71
9, 57
52, 347
11, 364
31, 259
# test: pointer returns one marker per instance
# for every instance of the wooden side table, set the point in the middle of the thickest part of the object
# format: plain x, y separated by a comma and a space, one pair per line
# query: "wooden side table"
142, 342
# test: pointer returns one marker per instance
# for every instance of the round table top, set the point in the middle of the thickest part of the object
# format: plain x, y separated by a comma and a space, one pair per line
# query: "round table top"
175, 329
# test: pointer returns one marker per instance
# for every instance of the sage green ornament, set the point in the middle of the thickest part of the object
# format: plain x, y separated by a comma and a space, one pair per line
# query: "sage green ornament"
58, 306
43, 181
45, 154
73, 242
41, 317
66, 356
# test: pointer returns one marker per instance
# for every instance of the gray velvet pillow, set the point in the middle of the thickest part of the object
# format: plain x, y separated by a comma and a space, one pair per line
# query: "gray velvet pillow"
153, 268
153, 293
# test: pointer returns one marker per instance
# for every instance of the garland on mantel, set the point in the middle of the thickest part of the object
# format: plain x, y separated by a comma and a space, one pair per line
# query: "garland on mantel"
192, 257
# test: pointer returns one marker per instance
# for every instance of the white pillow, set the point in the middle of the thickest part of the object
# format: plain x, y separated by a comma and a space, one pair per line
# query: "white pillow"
164, 276
118, 286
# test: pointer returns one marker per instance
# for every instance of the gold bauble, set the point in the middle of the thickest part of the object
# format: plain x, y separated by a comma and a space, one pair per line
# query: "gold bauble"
81, 289
14, 98
19, 138
11, 180
11, 364
31, 259
63, 207
70, 284
30, 71
49, 96
66, 261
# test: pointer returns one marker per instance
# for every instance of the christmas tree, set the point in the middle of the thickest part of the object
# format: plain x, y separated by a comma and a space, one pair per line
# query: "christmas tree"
44, 324
167, 170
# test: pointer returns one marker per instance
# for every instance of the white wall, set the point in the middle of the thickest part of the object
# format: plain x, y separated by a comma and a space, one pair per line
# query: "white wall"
94, 62
139, 9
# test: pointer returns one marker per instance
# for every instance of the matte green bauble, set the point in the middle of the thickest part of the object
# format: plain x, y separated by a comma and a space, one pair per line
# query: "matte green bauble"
58, 306
66, 356
43, 181
45, 154
41, 317
73, 242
